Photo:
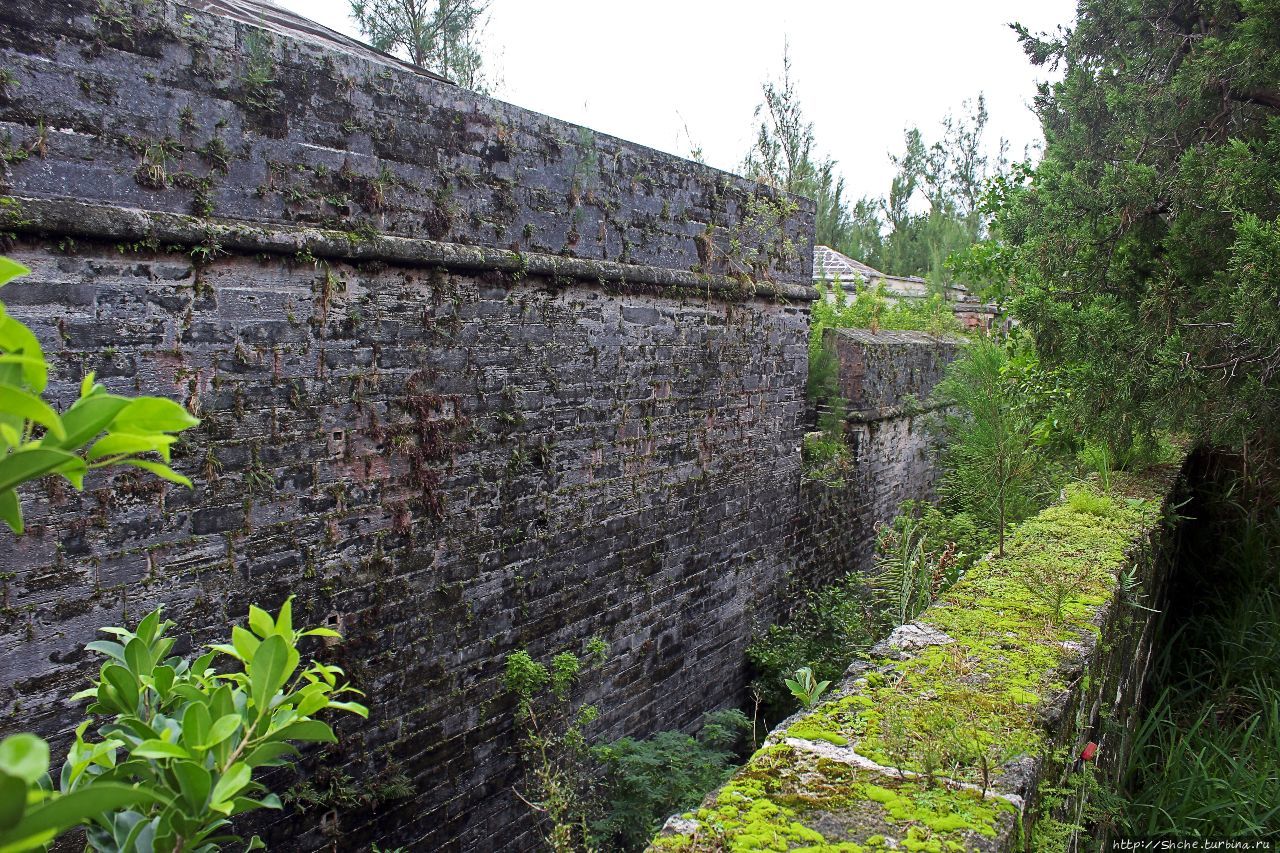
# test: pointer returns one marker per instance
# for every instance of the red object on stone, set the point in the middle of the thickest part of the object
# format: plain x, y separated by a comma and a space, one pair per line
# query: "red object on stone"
1089, 751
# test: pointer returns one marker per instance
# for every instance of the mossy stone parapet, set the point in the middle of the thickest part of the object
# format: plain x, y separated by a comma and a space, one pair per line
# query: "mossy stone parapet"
966, 729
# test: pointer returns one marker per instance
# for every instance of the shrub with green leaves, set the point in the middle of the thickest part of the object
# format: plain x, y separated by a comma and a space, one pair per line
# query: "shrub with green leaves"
173, 758
805, 688
825, 632
907, 572
646, 781
872, 308
921, 553
35, 440
826, 454
200, 734
32, 814
559, 778
968, 541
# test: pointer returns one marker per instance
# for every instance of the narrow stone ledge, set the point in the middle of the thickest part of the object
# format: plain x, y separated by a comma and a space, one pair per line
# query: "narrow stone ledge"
945, 738
892, 413
88, 220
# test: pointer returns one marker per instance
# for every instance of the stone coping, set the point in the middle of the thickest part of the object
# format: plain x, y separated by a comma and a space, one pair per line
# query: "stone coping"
158, 230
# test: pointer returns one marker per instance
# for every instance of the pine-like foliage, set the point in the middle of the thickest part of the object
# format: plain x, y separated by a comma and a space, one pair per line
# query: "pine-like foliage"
992, 465
1146, 244
439, 35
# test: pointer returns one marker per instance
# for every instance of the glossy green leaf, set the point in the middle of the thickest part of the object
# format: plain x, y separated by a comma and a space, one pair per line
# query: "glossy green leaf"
306, 730
73, 472
246, 644
86, 418
196, 722
10, 431
16, 338
108, 648
124, 444
227, 649
284, 622
138, 728
268, 671
125, 685
271, 754
311, 702
222, 728
71, 809
159, 749
260, 621
13, 800
248, 804
11, 269
149, 628
153, 414
25, 362
203, 663
164, 677
24, 756
137, 655
195, 782
222, 703
21, 467
189, 692
138, 833
231, 783
11, 510
27, 405
354, 707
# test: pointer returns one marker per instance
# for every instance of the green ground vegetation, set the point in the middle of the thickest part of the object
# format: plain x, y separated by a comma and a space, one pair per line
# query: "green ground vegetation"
827, 630
608, 795
1206, 758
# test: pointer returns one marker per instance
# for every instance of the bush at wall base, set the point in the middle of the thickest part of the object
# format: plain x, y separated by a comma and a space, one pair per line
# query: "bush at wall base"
174, 755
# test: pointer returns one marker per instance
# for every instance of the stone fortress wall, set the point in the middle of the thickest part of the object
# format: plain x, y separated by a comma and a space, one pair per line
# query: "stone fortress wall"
471, 380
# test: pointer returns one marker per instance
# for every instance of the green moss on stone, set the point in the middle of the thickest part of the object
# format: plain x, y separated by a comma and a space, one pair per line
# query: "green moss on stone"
947, 710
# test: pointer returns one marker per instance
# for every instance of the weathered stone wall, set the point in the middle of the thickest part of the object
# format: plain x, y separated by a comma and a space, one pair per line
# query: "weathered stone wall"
886, 373
886, 379
157, 106
448, 469
471, 379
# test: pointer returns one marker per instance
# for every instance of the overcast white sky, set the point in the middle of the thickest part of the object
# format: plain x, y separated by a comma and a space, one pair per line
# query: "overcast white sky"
864, 71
